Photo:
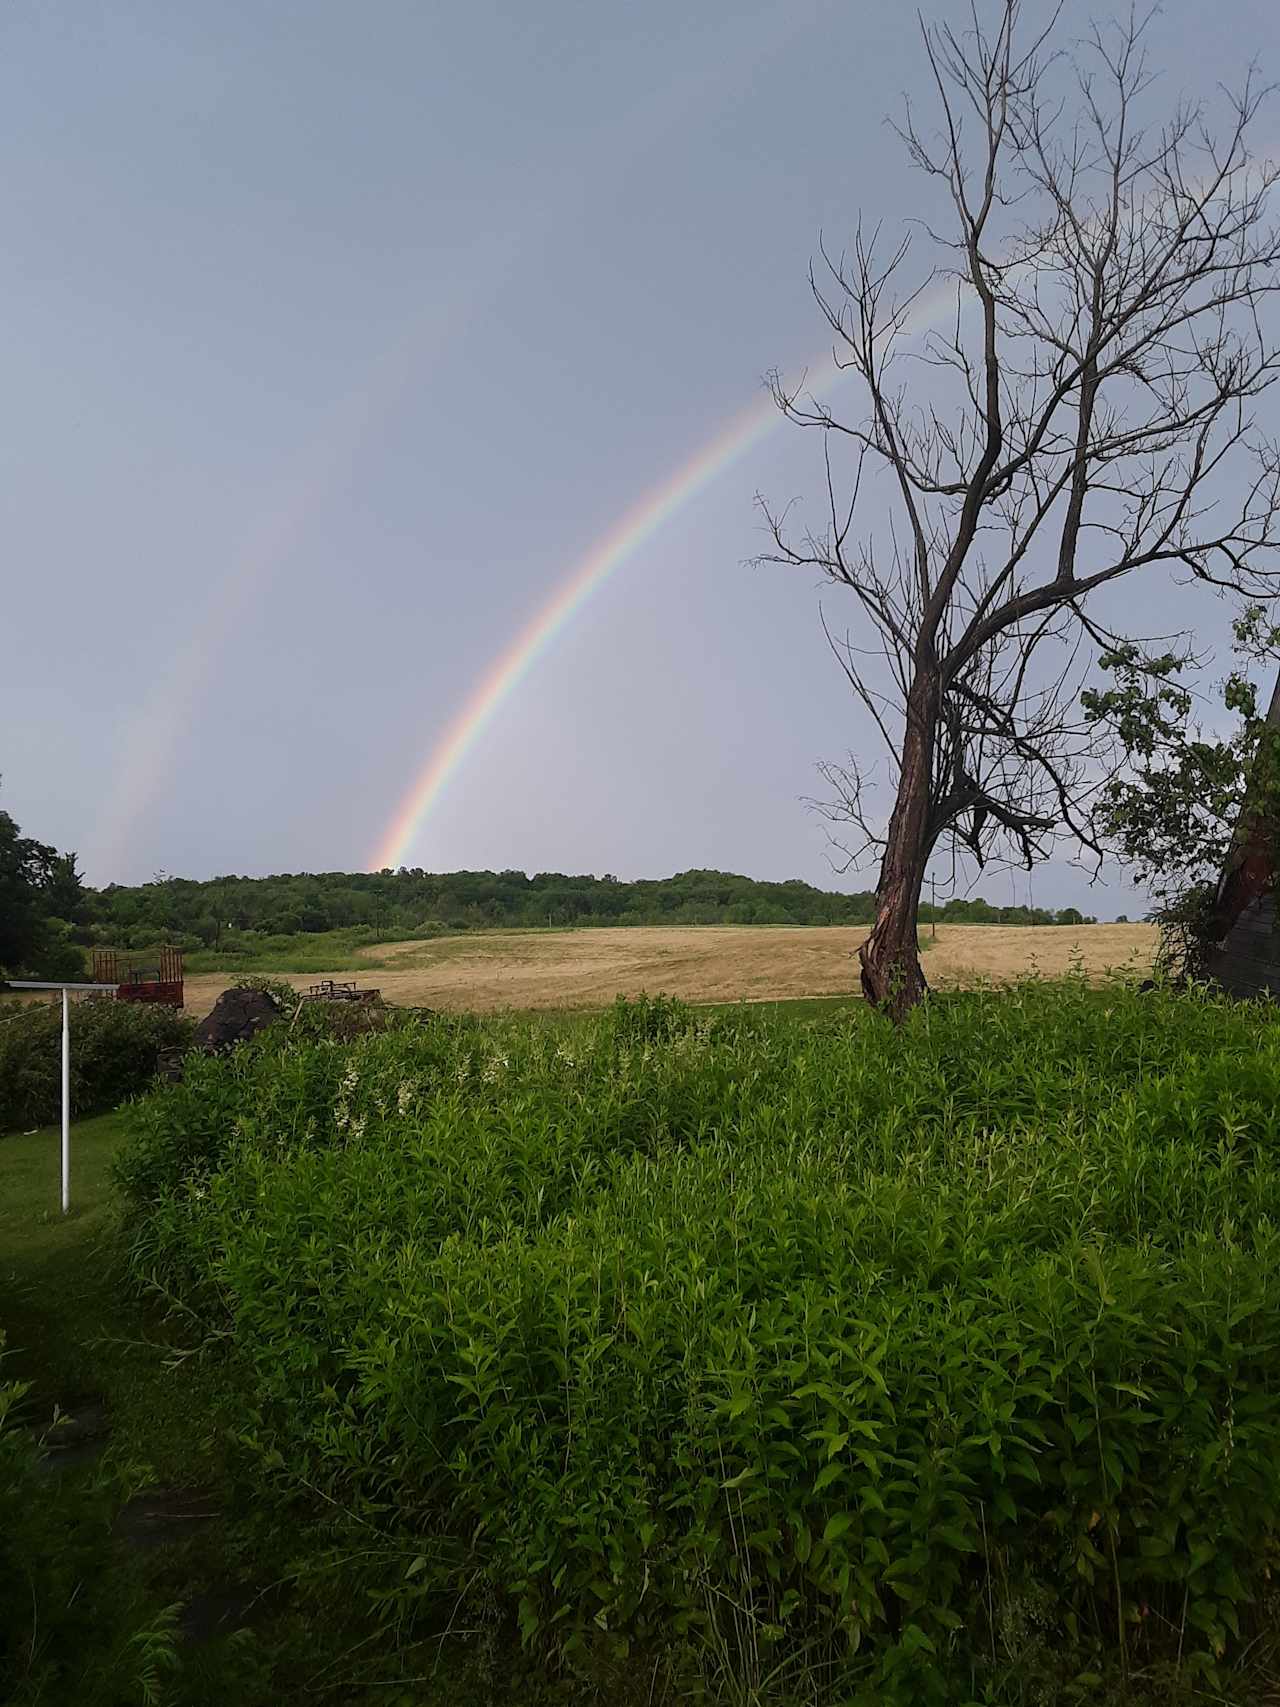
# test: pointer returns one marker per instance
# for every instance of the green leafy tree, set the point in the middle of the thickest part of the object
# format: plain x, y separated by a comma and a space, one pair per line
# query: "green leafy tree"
24, 870
64, 889
34, 934
1192, 803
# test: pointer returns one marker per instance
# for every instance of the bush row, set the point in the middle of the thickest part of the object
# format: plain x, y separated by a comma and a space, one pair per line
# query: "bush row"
114, 1047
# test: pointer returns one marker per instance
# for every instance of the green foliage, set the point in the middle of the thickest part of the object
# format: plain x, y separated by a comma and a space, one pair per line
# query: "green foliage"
282, 992
317, 922
934, 1363
1171, 815
23, 866
251, 953
183, 1132
975, 911
114, 1046
1187, 795
64, 890
58, 956
72, 1628
650, 1019
40, 893
1186, 921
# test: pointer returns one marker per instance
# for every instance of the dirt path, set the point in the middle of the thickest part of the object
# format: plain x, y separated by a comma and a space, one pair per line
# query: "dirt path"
708, 963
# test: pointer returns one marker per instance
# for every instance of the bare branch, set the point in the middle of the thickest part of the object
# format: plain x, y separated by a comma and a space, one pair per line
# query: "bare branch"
1085, 415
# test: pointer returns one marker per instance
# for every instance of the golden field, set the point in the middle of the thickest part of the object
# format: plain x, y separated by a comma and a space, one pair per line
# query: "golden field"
703, 963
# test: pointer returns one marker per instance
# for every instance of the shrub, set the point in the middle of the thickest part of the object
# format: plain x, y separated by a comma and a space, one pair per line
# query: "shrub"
650, 1019
342, 1022
935, 1364
180, 1133
114, 1046
280, 1089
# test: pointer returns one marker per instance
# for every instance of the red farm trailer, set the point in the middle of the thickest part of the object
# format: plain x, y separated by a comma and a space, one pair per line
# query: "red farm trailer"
135, 983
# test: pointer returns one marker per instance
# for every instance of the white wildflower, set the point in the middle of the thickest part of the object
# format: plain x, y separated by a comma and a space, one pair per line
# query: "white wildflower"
495, 1067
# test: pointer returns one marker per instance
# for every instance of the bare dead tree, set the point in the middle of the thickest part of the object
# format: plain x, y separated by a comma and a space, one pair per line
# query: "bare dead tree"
1086, 416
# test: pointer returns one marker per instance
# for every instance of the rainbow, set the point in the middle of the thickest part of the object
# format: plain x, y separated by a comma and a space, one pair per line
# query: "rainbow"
162, 721
606, 555
152, 739
509, 669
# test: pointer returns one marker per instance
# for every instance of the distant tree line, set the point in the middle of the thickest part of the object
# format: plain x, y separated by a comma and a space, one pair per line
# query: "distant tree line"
401, 903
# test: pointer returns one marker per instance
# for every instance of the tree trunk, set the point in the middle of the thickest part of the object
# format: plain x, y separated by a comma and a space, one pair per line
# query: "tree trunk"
892, 977
1242, 927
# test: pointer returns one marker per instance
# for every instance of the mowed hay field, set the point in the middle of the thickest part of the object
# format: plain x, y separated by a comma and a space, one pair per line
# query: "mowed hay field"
703, 963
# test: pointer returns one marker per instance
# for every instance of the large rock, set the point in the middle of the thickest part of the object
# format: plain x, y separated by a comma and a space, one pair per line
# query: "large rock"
237, 1016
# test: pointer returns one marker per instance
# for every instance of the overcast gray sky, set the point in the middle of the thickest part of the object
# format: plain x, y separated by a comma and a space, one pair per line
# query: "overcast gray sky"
333, 337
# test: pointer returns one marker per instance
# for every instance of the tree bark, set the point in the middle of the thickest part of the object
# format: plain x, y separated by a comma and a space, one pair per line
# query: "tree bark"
1244, 960
892, 977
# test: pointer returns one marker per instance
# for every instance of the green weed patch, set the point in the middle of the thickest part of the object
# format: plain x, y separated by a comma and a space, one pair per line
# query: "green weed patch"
768, 1355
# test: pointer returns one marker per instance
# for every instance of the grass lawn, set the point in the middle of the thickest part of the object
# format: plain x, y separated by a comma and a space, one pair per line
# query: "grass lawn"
88, 1349
72, 1330
52, 1285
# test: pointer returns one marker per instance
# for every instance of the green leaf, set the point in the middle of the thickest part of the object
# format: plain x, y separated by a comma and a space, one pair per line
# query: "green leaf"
914, 1640
955, 1538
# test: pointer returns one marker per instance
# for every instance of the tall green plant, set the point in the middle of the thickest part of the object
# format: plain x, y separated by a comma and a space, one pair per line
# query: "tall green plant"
903, 1366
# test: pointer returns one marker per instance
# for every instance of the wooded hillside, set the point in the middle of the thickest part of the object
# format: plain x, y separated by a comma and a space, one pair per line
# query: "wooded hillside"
399, 903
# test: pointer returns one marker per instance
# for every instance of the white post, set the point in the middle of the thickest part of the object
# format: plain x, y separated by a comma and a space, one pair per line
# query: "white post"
56, 984
66, 1106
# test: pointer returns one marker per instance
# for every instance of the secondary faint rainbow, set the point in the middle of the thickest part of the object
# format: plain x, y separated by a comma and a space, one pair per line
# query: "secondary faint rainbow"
606, 555
509, 669
154, 738
163, 717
